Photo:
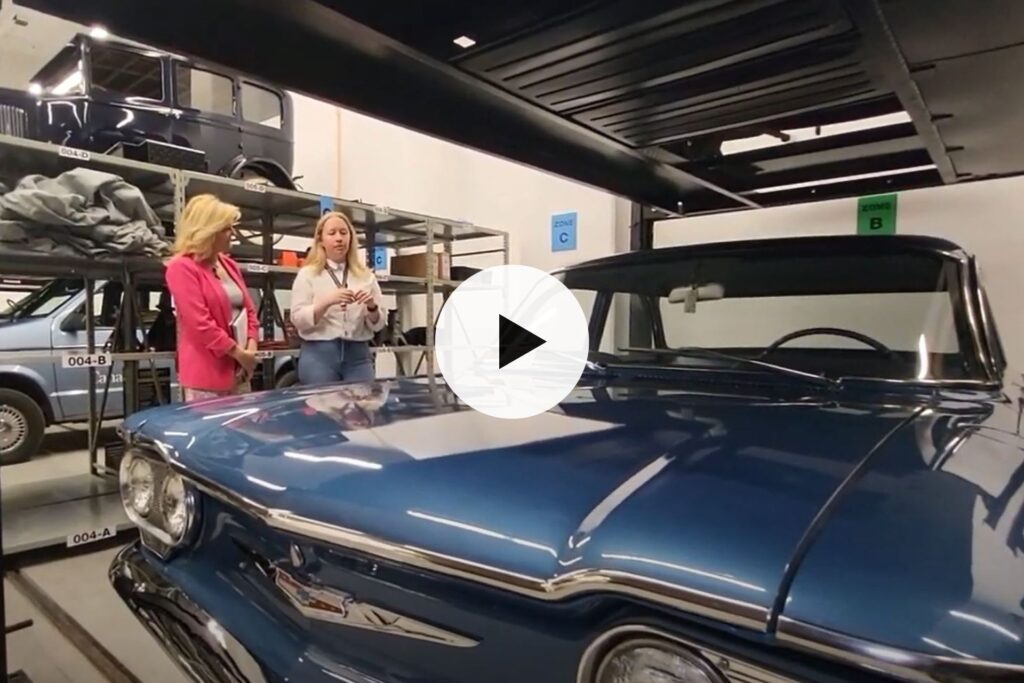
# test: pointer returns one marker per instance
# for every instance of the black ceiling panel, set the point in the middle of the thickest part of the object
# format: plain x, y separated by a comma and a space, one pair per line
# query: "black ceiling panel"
642, 96
942, 29
977, 111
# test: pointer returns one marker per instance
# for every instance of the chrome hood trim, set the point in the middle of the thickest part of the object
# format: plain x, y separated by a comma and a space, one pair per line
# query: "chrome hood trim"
725, 610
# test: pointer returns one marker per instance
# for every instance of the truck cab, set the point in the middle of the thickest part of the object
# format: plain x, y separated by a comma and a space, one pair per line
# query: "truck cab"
114, 97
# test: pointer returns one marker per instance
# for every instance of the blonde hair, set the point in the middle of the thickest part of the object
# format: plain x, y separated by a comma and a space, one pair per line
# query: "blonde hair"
203, 218
318, 255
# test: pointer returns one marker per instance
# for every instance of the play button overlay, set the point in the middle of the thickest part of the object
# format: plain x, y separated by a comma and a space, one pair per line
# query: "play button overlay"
511, 341
514, 341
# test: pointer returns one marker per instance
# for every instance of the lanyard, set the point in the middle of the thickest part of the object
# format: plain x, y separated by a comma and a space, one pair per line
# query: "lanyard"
341, 285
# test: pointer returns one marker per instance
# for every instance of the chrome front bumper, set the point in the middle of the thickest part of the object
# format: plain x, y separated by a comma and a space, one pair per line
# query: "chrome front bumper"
193, 639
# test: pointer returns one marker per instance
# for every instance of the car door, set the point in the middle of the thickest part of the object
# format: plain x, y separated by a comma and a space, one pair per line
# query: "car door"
128, 96
209, 113
265, 134
69, 334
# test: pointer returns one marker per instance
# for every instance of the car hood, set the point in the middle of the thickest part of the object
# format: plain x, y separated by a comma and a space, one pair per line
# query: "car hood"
712, 493
922, 549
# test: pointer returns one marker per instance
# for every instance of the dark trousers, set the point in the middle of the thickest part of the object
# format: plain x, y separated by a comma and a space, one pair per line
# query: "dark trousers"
335, 360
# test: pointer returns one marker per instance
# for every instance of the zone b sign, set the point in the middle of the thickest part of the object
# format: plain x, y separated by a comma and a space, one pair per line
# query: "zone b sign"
876, 215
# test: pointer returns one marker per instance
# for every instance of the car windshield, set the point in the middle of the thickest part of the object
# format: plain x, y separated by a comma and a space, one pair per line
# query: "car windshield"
878, 315
63, 76
43, 301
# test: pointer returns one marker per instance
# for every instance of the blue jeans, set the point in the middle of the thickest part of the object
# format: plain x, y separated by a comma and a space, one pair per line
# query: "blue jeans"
335, 360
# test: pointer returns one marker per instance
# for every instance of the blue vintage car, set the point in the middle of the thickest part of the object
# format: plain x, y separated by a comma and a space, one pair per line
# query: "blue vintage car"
804, 464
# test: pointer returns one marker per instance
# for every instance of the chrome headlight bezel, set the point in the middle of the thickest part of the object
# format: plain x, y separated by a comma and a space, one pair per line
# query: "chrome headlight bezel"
690, 658
187, 500
133, 470
154, 529
717, 664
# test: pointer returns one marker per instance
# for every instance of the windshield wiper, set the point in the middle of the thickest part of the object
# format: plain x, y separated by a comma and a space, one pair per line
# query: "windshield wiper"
701, 352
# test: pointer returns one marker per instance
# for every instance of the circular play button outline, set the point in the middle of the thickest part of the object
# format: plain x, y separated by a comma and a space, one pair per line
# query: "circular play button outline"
511, 341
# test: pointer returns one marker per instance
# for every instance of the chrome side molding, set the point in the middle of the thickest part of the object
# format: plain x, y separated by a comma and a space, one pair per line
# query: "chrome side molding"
902, 664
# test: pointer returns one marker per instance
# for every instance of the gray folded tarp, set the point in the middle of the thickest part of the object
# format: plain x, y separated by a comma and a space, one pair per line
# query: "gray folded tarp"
80, 213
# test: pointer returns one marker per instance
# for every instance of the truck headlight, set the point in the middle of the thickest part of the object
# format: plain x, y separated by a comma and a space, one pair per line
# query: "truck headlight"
655, 661
137, 484
157, 500
176, 503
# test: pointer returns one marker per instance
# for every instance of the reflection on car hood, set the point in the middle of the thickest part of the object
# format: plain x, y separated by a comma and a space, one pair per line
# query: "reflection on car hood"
715, 493
710, 492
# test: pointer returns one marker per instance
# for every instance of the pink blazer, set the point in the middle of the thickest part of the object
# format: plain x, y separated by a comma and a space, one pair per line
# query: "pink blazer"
204, 322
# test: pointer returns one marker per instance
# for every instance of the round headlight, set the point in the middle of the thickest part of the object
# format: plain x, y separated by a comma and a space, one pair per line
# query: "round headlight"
655, 662
176, 505
139, 486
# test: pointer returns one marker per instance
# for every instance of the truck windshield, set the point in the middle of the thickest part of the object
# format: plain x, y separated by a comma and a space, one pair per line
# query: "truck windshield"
62, 75
43, 301
888, 316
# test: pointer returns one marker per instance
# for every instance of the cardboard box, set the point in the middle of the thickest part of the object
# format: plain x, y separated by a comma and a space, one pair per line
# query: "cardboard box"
415, 265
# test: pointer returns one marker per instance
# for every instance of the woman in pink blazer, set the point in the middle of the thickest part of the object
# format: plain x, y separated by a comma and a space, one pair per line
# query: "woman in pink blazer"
217, 327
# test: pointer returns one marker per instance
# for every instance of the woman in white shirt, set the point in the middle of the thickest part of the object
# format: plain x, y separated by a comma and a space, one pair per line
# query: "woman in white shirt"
336, 306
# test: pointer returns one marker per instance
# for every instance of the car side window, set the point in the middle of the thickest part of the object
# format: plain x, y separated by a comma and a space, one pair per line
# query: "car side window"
262, 106
126, 73
204, 90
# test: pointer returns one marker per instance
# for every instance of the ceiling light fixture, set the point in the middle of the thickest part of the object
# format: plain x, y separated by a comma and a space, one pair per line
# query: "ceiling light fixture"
788, 137
99, 33
464, 42
843, 179
35, 89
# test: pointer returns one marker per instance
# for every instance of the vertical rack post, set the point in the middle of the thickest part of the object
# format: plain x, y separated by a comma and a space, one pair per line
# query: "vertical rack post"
431, 282
269, 301
504, 247
90, 341
448, 244
129, 323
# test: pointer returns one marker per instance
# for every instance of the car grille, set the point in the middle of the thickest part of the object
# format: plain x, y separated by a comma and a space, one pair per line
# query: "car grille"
13, 121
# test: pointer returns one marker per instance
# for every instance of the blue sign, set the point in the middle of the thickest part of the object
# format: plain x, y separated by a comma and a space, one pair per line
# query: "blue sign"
563, 232
326, 204
380, 258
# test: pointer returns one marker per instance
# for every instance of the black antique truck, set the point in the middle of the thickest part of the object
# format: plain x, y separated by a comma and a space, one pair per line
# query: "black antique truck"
113, 97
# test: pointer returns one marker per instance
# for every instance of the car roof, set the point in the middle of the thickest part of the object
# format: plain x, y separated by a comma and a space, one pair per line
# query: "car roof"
823, 244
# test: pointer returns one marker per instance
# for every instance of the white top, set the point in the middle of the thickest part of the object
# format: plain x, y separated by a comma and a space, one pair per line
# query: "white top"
348, 323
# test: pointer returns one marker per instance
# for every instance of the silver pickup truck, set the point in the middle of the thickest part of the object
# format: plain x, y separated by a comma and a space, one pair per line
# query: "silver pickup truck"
36, 393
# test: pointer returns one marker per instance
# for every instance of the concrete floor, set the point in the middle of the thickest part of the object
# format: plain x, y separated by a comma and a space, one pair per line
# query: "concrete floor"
54, 495
78, 584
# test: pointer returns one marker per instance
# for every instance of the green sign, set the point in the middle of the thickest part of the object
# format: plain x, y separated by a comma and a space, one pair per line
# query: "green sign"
876, 215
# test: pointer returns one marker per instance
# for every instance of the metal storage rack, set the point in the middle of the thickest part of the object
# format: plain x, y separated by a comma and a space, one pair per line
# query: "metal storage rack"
269, 212
272, 212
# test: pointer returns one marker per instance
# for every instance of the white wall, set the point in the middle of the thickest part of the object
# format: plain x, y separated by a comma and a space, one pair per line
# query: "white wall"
357, 157
985, 218
386, 164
